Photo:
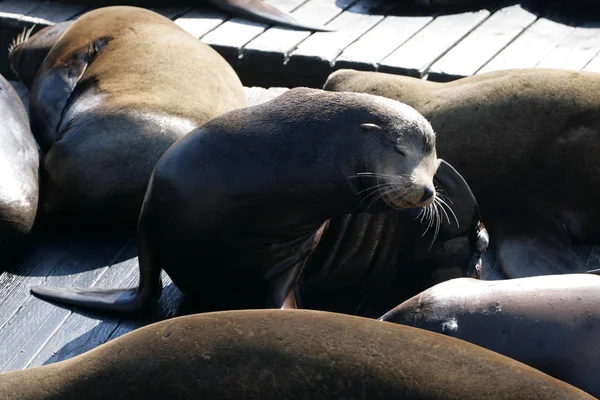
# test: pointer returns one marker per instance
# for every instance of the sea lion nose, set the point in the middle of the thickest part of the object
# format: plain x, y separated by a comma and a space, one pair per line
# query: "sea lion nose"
427, 193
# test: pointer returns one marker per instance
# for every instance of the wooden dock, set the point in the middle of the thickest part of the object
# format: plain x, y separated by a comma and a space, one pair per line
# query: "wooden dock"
370, 36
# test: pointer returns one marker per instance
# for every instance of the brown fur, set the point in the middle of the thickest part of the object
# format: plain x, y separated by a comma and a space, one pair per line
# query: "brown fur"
284, 354
144, 83
527, 143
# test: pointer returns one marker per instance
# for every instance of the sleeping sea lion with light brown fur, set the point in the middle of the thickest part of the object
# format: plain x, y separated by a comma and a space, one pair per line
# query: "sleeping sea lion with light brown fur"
284, 355
527, 141
119, 86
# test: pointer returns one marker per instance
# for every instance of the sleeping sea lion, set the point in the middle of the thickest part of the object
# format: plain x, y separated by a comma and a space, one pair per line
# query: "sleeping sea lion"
548, 322
19, 165
527, 141
119, 86
284, 355
235, 209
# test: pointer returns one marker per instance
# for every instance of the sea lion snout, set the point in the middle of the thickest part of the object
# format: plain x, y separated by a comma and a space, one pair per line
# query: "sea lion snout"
428, 194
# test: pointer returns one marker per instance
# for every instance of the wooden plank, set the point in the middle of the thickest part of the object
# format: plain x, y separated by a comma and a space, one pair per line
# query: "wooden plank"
576, 50
530, 47
11, 12
594, 65
75, 336
368, 51
49, 13
230, 38
319, 51
171, 12
201, 20
35, 320
482, 44
416, 56
66, 343
273, 46
259, 95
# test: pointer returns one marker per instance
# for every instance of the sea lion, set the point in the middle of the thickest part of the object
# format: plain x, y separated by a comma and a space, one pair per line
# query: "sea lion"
527, 142
27, 52
256, 10
19, 165
548, 322
236, 207
284, 354
120, 86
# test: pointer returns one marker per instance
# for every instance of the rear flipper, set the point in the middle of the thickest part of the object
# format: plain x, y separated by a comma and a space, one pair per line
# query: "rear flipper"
117, 300
260, 11
530, 245
114, 300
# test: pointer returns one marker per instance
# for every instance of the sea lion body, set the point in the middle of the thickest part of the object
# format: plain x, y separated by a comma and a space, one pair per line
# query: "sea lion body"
284, 354
116, 90
235, 209
19, 165
527, 142
548, 322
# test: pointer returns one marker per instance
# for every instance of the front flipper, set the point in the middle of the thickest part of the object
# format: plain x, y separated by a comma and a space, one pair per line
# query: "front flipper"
529, 245
117, 300
54, 87
260, 11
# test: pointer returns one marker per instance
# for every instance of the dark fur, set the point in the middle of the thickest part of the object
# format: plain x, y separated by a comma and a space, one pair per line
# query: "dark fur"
235, 209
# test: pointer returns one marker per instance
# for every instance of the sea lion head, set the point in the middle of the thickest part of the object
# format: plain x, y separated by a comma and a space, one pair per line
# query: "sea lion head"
406, 160
27, 52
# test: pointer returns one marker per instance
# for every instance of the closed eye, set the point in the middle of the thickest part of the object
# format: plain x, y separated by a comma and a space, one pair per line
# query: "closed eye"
400, 149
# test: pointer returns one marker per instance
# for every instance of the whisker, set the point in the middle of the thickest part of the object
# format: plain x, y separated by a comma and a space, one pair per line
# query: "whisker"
451, 211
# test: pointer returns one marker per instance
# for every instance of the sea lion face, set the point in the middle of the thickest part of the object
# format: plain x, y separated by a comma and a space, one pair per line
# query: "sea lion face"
408, 160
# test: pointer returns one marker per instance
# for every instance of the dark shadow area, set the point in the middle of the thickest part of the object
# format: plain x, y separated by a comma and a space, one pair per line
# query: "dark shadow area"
51, 250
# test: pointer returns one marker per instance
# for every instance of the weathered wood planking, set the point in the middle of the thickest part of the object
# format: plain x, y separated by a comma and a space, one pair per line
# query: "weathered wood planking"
317, 54
415, 56
482, 44
576, 50
372, 47
230, 38
439, 48
593, 65
527, 50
